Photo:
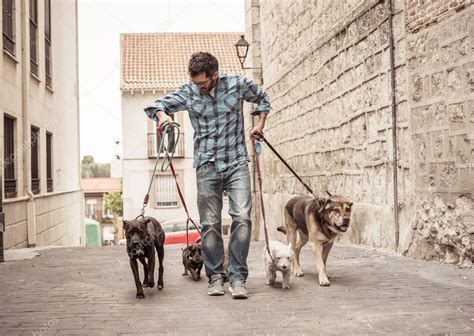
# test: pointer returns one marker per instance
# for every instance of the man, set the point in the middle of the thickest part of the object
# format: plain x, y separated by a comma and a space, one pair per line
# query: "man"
214, 102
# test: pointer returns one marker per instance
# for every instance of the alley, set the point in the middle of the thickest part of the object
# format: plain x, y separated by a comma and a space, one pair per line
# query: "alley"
89, 291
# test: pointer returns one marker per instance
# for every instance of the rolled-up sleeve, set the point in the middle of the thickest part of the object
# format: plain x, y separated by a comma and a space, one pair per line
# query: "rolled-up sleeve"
171, 103
253, 93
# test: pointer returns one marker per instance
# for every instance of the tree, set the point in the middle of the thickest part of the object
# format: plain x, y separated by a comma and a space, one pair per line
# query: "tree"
91, 169
113, 202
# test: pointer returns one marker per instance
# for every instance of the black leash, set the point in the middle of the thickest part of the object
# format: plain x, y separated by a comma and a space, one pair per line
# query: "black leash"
262, 138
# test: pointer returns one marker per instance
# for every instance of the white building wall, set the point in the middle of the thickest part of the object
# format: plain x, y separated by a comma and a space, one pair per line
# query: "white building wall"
55, 217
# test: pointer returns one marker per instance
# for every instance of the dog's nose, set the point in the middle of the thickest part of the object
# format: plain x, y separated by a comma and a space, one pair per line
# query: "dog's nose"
346, 221
284, 267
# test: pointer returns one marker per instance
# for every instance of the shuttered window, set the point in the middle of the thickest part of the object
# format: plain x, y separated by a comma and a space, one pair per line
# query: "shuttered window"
34, 37
9, 158
8, 19
166, 193
35, 178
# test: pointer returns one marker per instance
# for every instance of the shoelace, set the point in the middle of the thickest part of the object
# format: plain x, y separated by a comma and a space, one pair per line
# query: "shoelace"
238, 284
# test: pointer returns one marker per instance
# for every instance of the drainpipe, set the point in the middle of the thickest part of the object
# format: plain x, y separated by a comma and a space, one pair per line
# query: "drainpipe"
25, 111
394, 123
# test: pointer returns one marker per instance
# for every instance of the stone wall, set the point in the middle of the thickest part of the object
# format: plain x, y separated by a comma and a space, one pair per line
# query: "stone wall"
326, 66
441, 78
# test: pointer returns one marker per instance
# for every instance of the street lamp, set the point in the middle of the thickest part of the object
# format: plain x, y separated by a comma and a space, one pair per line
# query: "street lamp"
242, 48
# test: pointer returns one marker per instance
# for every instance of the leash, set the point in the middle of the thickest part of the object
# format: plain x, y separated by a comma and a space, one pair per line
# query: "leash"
262, 138
259, 175
189, 220
171, 130
165, 129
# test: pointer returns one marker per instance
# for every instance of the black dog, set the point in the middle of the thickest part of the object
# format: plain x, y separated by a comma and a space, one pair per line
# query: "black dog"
143, 236
192, 261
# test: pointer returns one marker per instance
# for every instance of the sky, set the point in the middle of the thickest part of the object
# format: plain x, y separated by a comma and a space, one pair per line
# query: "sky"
100, 24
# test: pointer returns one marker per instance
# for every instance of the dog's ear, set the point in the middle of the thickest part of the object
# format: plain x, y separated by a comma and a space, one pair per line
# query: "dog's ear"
350, 204
125, 225
324, 204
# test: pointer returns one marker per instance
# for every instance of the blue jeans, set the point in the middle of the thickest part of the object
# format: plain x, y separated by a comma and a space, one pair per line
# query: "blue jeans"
235, 181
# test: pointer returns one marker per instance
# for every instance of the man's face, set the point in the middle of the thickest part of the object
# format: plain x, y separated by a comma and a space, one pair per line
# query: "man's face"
204, 83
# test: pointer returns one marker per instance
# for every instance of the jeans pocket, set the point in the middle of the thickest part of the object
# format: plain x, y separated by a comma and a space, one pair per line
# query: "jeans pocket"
202, 169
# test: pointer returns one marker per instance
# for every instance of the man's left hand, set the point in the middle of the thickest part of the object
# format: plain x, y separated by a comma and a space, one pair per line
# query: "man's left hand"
256, 132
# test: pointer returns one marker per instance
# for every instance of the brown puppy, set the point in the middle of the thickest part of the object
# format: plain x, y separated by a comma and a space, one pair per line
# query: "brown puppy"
192, 261
318, 220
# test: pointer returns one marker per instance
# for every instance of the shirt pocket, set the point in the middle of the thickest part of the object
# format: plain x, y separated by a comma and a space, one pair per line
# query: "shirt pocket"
232, 104
198, 107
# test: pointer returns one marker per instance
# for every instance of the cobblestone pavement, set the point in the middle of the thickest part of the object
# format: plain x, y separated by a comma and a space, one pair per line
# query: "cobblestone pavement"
90, 291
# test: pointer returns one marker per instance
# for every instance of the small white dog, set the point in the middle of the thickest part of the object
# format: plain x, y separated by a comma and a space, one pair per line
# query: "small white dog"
282, 259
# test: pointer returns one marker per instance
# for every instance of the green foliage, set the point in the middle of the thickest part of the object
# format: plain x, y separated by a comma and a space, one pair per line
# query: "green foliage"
113, 201
91, 169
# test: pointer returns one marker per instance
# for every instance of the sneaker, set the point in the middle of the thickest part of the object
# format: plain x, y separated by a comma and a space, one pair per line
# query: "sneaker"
238, 291
215, 287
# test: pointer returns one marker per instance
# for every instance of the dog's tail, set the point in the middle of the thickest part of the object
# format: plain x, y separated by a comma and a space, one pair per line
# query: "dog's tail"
281, 229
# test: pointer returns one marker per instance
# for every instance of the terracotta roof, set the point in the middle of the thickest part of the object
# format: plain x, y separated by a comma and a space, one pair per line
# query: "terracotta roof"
101, 184
160, 61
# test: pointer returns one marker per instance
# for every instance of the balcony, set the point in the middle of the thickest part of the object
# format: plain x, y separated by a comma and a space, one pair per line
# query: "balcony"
35, 185
153, 143
10, 188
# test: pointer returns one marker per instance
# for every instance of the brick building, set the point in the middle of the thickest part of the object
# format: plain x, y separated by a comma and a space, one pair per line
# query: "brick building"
327, 68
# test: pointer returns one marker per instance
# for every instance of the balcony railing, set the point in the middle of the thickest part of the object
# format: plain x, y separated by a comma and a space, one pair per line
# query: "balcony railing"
8, 44
10, 187
153, 146
35, 185
49, 184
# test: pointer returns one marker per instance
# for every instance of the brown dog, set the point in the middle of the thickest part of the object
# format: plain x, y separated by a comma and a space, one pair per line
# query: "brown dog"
319, 221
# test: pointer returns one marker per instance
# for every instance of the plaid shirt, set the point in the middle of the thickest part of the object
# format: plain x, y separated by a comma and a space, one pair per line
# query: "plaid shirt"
217, 120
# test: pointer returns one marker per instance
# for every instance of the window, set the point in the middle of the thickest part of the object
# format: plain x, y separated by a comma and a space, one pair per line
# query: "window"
35, 178
49, 165
34, 37
166, 193
9, 26
47, 43
9, 156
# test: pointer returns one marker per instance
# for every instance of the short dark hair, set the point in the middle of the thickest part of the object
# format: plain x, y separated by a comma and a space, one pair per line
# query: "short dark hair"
203, 62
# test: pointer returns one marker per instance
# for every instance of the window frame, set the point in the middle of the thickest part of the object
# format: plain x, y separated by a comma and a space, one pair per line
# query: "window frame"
35, 160
8, 35
9, 157
33, 21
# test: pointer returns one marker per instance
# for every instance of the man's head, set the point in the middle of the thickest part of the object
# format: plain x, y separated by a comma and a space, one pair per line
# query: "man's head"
203, 68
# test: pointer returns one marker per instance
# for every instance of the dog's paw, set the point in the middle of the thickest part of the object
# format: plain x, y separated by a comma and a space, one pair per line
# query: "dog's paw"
140, 295
298, 273
160, 286
285, 286
151, 284
184, 274
324, 282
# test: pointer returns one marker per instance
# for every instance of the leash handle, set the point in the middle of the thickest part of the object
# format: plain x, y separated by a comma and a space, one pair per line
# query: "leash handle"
169, 129
262, 205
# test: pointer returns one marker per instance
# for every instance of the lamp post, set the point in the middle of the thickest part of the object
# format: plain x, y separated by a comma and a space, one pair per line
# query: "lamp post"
242, 48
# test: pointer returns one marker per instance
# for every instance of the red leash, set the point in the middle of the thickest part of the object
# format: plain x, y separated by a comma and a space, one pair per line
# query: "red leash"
259, 175
181, 197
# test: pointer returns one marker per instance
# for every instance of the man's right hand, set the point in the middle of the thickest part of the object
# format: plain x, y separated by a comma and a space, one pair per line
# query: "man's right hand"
162, 118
